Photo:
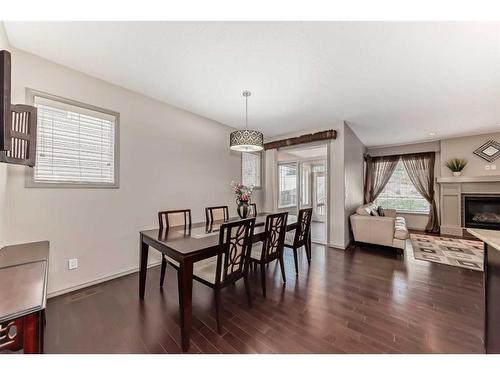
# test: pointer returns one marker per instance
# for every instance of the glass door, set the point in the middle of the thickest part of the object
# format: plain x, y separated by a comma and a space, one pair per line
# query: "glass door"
288, 178
319, 191
305, 200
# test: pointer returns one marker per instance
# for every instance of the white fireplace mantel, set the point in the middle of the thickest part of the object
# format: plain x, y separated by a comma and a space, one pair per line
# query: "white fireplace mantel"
462, 179
451, 191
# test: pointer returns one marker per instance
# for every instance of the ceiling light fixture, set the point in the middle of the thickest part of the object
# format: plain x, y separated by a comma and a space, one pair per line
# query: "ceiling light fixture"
246, 140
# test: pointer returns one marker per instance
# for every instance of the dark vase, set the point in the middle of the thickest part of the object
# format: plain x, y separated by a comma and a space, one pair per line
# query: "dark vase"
243, 209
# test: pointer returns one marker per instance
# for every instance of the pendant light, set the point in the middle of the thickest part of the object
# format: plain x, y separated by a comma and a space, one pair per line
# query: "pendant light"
246, 140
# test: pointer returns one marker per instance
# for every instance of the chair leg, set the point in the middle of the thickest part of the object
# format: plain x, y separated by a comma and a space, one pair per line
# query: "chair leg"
247, 290
217, 309
308, 252
282, 266
163, 270
263, 278
296, 261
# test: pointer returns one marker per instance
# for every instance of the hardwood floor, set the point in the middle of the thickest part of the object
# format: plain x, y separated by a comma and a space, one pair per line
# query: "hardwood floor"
363, 300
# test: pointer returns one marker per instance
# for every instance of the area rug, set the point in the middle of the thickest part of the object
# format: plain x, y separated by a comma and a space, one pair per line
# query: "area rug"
452, 251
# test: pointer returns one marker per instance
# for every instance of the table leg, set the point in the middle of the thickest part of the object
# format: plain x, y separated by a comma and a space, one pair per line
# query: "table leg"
32, 337
143, 268
185, 281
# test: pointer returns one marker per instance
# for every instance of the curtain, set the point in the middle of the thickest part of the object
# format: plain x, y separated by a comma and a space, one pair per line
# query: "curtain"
368, 169
378, 172
420, 169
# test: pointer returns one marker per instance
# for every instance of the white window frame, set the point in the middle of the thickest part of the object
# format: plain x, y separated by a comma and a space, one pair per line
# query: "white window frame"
30, 172
259, 154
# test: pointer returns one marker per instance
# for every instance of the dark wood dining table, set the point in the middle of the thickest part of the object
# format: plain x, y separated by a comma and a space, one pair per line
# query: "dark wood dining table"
187, 246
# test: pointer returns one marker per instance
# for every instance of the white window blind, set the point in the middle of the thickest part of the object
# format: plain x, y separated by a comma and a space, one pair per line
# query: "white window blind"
250, 169
75, 145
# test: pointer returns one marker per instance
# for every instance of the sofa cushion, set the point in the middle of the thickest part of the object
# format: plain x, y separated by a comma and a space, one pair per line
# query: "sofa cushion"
367, 209
400, 229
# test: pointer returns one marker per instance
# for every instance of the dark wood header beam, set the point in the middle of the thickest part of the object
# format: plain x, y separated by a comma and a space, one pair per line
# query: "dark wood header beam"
307, 138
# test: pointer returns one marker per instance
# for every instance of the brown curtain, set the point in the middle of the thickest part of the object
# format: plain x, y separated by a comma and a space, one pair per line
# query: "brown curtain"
379, 170
420, 169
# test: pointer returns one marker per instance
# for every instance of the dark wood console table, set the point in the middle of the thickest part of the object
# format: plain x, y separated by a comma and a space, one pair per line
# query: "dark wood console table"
23, 295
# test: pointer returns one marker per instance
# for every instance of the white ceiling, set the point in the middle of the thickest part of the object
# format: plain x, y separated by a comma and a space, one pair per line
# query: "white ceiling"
393, 82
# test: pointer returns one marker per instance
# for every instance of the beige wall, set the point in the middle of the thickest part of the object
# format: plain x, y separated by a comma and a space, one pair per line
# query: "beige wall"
169, 159
463, 147
404, 149
354, 151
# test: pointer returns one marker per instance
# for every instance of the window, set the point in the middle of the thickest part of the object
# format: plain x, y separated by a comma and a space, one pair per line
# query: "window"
77, 144
287, 192
400, 193
250, 169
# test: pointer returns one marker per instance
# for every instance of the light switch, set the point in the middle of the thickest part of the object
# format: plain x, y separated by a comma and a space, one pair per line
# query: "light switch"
487, 167
493, 167
73, 263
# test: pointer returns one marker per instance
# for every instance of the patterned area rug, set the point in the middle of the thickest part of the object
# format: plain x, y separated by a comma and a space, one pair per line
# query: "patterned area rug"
451, 251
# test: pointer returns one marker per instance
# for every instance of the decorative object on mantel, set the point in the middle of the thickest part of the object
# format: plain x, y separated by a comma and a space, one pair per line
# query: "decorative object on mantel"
456, 165
243, 196
451, 251
246, 140
490, 151
18, 123
306, 138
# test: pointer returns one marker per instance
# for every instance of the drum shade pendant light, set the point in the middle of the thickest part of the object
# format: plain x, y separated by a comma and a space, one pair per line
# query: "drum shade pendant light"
246, 140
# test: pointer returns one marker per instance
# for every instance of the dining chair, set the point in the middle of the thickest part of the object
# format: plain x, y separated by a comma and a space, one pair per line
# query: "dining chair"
231, 262
216, 213
271, 248
253, 209
301, 237
168, 219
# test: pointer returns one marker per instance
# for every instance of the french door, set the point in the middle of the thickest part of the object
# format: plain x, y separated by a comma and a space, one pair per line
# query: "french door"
302, 184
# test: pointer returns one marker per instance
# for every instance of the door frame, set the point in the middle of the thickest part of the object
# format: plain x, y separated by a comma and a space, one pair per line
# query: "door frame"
297, 161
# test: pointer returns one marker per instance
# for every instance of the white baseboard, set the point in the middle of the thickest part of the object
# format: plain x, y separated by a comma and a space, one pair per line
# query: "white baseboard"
56, 293
337, 246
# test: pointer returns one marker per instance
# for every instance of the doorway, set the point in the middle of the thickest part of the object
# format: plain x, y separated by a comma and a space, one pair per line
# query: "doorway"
302, 183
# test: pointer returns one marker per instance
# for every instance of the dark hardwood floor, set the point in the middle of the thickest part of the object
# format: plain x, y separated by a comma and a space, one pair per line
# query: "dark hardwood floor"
362, 300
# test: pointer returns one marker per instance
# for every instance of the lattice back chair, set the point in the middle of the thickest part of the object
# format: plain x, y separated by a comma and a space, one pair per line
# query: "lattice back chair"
253, 209
167, 219
231, 263
302, 236
216, 213
272, 247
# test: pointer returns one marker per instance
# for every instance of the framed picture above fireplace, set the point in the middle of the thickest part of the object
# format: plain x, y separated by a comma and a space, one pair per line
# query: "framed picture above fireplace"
490, 151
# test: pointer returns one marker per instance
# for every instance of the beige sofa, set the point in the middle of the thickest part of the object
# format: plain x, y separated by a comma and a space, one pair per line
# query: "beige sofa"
387, 230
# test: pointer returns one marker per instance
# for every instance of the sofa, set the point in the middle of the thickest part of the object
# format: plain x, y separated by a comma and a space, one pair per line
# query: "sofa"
373, 225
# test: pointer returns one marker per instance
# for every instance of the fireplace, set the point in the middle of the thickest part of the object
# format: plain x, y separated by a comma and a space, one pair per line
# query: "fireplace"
481, 211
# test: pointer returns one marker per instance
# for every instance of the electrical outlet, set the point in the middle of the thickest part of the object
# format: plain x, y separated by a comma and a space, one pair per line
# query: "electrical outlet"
72, 264
486, 167
493, 167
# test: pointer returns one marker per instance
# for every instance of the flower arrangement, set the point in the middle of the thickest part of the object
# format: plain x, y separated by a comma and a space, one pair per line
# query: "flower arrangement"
456, 165
243, 193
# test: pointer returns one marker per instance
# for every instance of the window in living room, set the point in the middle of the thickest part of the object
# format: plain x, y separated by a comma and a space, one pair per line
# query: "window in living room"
400, 194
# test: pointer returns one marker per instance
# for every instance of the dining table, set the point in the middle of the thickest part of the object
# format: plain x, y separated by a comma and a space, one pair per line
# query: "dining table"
187, 245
